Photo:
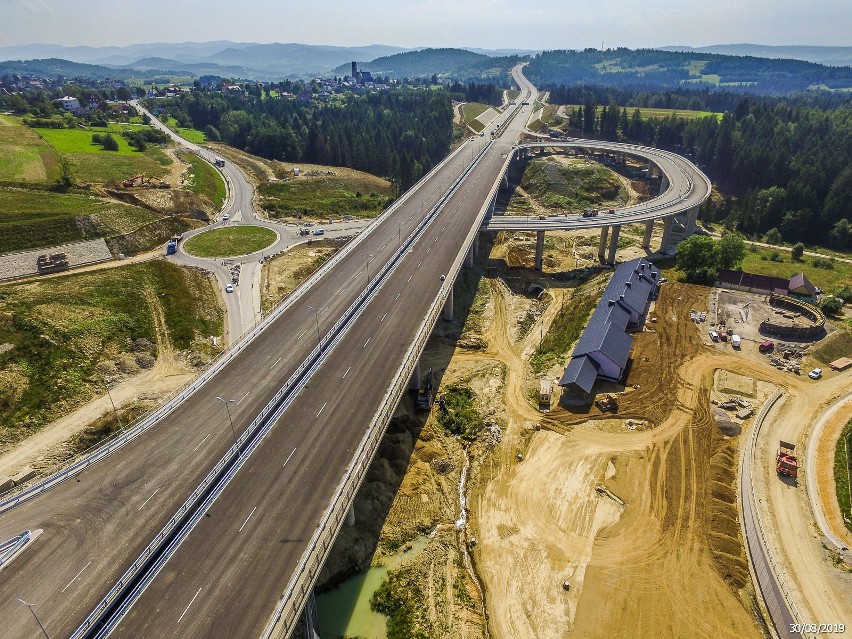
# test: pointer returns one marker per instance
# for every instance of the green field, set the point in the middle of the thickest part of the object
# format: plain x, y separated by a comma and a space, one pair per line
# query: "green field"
758, 260
193, 135
206, 181
649, 113
35, 219
72, 333
230, 241
24, 156
352, 193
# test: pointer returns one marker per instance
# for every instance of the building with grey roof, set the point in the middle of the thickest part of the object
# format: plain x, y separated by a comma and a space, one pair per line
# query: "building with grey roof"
603, 349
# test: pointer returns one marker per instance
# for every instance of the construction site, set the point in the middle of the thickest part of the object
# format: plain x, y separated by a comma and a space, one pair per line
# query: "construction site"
614, 516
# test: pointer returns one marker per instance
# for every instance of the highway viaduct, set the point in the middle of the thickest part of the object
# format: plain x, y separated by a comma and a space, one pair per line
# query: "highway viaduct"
288, 422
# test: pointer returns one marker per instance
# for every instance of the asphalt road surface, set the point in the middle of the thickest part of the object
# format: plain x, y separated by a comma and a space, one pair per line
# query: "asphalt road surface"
95, 528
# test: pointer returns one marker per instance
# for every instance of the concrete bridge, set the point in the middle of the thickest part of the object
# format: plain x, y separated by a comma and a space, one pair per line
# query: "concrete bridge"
683, 188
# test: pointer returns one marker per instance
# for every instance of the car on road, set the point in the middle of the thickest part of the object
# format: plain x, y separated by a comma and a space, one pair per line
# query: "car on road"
227, 216
229, 288
319, 232
714, 336
815, 373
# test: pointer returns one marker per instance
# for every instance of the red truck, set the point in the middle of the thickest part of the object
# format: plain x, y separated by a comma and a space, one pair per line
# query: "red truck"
786, 462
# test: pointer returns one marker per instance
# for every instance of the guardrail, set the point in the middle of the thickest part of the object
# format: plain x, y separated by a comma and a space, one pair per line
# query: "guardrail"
779, 611
142, 571
103, 449
11, 546
297, 592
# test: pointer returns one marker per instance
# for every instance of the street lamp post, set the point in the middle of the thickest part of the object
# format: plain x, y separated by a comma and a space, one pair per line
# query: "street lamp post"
114, 411
32, 610
227, 403
367, 266
316, 317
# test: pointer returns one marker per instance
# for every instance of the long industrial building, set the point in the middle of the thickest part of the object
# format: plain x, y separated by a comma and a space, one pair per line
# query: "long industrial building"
603, 349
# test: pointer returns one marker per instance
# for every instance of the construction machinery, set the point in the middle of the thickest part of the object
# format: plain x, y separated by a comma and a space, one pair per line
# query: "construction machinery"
786, 462
132, 181
608, 402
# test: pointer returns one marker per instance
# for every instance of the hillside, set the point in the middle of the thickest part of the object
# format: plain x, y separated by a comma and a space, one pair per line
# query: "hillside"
626, 67
831, 56
446, 63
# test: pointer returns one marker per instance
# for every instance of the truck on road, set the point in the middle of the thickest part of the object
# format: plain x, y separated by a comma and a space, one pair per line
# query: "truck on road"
590, 212
218, 161
786, 462
171, 247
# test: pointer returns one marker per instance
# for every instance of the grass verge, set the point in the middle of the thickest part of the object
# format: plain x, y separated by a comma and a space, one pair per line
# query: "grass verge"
842, 473
829, 275
206, 181
324, 196
230, 241
564, 331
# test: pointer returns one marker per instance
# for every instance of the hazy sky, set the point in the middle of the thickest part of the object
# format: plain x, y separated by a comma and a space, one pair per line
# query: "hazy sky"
530, 24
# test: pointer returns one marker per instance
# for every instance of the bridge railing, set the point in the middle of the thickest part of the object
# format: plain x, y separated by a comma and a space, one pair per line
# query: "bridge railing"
297, 592
87, 458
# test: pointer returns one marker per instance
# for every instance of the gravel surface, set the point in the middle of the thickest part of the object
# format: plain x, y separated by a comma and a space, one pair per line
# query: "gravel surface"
14, 265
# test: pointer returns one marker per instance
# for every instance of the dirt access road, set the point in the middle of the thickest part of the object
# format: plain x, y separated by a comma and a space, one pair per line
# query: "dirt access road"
664, 540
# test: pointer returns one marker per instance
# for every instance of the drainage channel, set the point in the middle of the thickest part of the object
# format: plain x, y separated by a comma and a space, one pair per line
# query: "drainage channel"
125, 592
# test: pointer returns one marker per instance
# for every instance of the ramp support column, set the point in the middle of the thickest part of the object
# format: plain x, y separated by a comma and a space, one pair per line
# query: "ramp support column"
350, 515
649, 229
469, 257
668, 226
692, 220
539, 249
613, 244
448, 310
650, 170
475, 246
414, 382
664, 183
602, 243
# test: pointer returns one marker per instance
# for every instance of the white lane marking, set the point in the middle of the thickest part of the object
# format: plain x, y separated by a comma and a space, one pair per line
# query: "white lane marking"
346, 373
302, 334
383, 317
276, 361
321, 409
428, 249
188, 605
201, 442
288, 457
154, 493
397, 296
367, 342
75, 576
383, 248
409, 279
247, 518
242, 398
418, 264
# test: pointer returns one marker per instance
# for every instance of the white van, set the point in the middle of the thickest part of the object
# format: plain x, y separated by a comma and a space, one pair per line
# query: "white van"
735, 341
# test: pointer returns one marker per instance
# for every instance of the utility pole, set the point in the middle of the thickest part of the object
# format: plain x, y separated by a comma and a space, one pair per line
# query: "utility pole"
227, 403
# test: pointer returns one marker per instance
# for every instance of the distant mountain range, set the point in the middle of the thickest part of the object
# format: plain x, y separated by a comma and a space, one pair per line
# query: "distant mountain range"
833, 56
241, 59
446, 63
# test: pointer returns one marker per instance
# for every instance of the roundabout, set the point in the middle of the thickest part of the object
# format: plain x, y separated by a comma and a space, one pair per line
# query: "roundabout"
231, 241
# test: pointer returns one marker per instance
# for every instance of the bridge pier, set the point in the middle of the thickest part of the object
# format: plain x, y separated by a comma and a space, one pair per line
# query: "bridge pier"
664, 183
668, 227
539, 250
613, 244
649, 229
475, 245
350, 515
692, 220
649, 172
468, 260
602, 243
414, 382
448, 310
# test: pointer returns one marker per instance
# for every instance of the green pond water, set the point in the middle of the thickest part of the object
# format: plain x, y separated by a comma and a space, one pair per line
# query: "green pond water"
345, 611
